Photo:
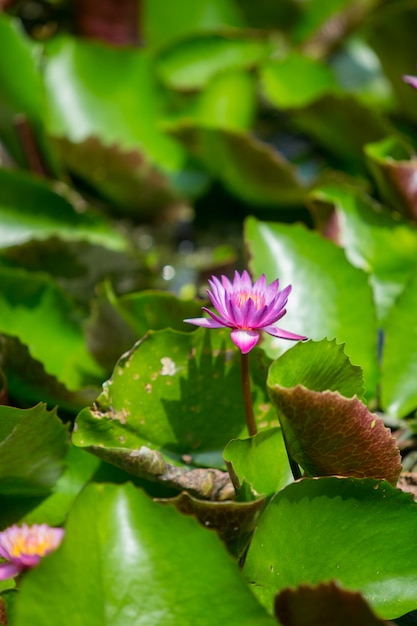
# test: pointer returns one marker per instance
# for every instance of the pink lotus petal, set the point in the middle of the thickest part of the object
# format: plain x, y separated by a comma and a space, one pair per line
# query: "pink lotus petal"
282, 334
411, 80
8, 570
205, 322
245, 339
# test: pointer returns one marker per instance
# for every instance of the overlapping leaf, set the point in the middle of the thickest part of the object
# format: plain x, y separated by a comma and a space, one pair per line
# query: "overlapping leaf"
328, 529
399, 362
175, 394
42, 317
33, 443
260, 461
249, 168
327, 431
135, 561
374, 239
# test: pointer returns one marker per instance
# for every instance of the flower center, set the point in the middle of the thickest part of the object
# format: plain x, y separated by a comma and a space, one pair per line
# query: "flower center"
31, 546
242, 297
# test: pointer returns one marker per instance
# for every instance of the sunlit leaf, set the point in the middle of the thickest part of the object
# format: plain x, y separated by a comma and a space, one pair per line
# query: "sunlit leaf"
53, 510
261, 461
31, 209
192, 63
228, 101
339, 529
295, 80
165, 22
119, 106
119, 551
177, 393
33, 443
21, 91
40, 315
329, 297
399, 363
374, 239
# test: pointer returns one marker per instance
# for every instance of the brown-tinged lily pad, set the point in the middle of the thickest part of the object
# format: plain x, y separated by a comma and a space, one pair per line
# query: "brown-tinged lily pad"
234, 521
327, 604
124, 177
327, 428
328, 434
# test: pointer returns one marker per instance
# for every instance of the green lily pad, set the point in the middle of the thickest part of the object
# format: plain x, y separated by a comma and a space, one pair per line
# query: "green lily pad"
105, 569
41, 316
30, 209
33, 444
399, 359
249, 168
53, 510
228, 101
281, 84
375, 240
260, 461
176, 393
84, 101
190, 64
318, 530
21, 92
329, 297
328, 117
164, 22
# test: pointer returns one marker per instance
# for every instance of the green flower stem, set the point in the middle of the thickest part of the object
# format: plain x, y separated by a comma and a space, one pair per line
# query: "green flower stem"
247, 396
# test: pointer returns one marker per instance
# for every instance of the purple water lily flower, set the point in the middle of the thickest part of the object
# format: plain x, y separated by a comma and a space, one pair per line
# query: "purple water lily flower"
23, 547
248, 309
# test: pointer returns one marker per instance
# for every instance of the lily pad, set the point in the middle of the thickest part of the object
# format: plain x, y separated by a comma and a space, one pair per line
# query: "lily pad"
164, 22
326, 432
190, 64
281, 84
260, 461
105, 570
375, 240
249, 168
33, 444
119, 106
340, 529
27, 300
174, 394
31, 210
399, 361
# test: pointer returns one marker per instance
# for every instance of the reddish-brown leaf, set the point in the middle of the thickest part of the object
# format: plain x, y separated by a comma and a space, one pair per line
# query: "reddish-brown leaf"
328, 434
